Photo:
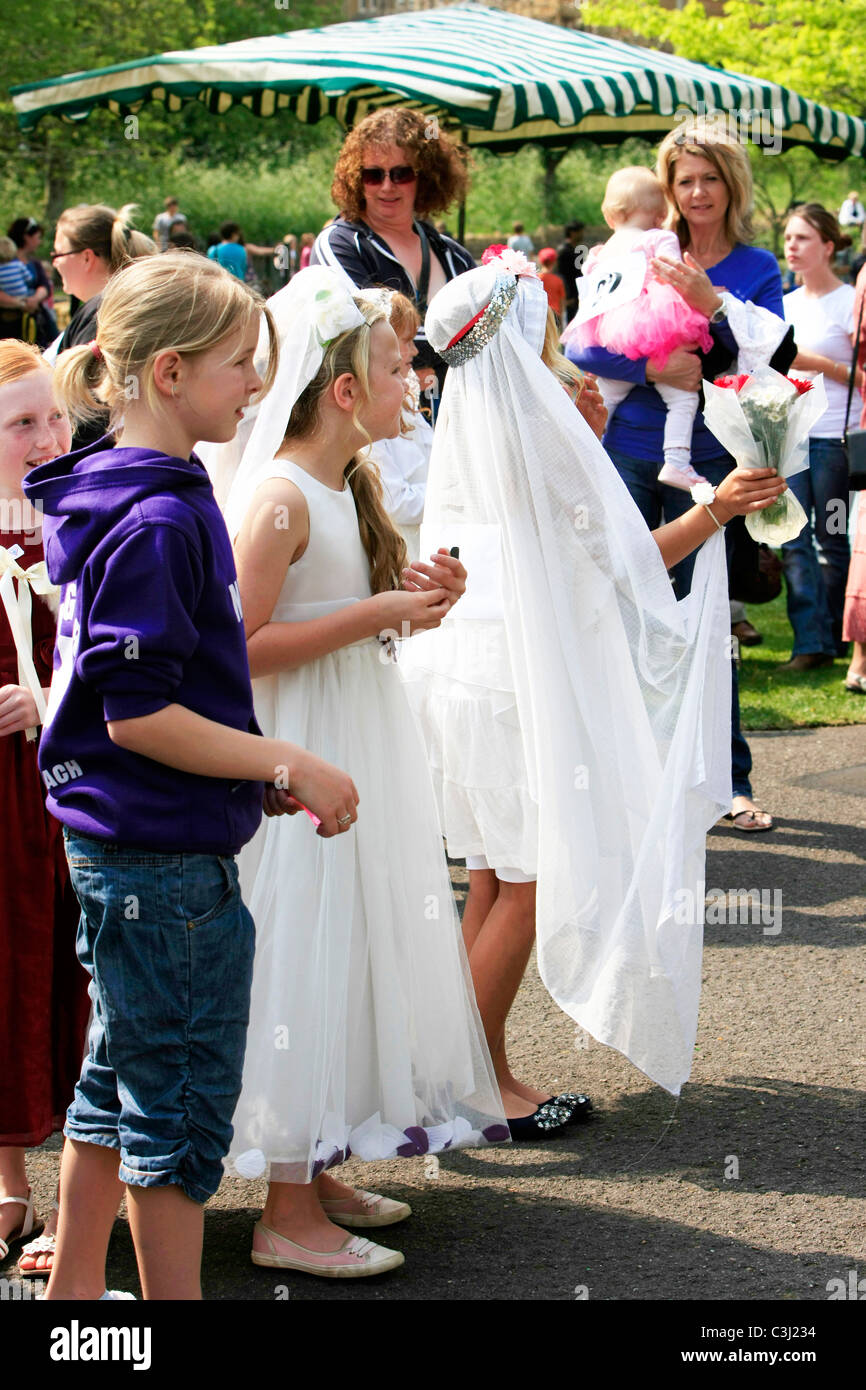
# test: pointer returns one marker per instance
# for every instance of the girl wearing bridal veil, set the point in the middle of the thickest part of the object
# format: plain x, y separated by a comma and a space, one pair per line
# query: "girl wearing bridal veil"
576, 714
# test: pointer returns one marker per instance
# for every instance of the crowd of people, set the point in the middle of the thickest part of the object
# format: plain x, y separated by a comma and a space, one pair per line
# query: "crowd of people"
376, 559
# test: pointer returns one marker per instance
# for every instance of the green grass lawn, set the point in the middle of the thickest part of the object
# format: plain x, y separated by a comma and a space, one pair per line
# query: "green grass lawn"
773, 699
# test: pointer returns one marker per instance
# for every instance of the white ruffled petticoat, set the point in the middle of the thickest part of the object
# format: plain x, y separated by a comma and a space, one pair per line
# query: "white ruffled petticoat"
475, 745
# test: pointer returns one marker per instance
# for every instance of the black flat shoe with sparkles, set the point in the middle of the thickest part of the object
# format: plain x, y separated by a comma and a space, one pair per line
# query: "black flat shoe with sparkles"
581, 1106
551, 1119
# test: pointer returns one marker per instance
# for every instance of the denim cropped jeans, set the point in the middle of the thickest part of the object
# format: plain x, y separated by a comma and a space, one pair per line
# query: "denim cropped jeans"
169, 947
815, 580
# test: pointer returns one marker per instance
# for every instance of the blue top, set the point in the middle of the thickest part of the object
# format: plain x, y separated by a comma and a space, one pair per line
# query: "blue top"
231, 256
749, 273
150, 615
14, 280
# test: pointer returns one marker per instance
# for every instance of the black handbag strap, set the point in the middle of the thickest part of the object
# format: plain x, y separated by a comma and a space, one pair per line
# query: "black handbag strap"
424, 277
853, 371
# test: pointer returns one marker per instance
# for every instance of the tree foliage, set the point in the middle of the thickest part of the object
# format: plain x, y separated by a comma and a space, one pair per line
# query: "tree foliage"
46, 40
273, 175
815, 47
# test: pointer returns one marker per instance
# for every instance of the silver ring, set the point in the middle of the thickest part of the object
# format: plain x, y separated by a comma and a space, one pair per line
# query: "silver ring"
343, 820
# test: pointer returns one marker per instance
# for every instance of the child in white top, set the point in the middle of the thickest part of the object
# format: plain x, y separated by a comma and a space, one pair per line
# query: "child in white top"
654, 323
404, 460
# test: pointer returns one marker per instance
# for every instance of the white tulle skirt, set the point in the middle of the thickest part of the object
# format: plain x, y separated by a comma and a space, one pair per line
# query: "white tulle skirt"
474, 742
364, 1036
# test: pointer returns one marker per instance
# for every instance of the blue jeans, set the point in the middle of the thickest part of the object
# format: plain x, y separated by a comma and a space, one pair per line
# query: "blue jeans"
816, 587
659, 503
169, 947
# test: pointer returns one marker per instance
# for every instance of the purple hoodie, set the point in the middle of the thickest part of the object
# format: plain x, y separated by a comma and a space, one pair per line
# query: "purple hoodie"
150, 616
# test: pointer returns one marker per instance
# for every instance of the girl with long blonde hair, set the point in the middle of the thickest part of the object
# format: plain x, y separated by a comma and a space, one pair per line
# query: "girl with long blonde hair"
364, 1037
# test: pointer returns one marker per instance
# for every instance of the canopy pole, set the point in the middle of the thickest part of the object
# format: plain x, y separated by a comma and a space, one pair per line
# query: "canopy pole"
461, 211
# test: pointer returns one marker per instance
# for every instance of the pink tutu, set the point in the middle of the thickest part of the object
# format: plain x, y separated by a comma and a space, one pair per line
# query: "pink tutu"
652, 325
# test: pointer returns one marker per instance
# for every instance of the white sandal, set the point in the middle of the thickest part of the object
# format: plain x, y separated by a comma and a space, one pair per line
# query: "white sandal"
42, 1245
26, 1227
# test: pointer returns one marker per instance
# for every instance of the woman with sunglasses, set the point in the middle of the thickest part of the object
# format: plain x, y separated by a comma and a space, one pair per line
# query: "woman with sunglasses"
396, 168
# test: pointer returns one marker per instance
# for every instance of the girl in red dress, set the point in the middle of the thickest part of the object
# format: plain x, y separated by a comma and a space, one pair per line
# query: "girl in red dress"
43, 990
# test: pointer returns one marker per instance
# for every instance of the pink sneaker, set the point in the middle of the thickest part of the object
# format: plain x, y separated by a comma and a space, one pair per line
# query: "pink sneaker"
364, 1209
356, 1258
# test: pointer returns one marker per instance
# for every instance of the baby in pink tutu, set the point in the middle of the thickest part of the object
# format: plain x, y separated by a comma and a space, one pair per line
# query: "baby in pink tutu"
655, 322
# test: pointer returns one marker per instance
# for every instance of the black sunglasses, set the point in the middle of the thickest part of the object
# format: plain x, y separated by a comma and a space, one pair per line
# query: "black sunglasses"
58, 255
401, 173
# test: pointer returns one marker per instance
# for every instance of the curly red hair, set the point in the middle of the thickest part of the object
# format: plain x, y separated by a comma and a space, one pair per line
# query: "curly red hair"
440, 162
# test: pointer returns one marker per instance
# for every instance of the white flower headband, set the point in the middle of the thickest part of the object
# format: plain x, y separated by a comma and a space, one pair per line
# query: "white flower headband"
333, 313
316, 307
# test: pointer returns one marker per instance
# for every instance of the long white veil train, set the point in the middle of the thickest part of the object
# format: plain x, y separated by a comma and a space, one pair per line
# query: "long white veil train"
622, 693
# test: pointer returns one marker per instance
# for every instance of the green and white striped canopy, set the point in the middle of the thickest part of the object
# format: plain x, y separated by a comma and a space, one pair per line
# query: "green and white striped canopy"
503, 78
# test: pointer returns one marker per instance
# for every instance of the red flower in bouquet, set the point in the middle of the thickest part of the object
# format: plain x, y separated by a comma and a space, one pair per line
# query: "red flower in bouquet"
736, 383
764, 420
491, 253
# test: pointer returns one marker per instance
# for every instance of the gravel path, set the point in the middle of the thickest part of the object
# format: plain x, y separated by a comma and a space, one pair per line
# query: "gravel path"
750, 1187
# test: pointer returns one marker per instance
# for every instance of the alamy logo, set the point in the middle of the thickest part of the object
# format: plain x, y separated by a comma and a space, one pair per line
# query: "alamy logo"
855, 1288
77, 1343
730, 907
235, 592
21, 1290
763, 127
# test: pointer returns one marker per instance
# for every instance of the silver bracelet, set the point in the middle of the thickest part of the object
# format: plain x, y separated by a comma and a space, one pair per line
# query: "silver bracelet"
720, 524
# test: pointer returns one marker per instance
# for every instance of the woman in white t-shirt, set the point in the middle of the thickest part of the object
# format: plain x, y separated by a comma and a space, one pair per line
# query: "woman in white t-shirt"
822, 313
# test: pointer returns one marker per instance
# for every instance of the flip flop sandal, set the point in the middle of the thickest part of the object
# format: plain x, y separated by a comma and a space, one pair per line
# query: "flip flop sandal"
747, 829
856, 684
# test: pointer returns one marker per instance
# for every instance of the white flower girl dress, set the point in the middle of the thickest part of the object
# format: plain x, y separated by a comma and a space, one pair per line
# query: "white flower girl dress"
364, 1036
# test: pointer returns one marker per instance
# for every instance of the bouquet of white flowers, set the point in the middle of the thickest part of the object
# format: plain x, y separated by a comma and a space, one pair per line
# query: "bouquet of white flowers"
764, 421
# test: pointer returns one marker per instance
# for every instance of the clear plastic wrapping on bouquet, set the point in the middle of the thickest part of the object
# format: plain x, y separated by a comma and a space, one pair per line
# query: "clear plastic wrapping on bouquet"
766, 424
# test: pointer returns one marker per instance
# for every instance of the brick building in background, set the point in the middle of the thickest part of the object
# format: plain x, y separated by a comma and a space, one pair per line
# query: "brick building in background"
563, 12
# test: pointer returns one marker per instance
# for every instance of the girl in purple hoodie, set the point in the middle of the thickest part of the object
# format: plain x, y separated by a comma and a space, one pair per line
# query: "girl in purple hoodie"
153, 762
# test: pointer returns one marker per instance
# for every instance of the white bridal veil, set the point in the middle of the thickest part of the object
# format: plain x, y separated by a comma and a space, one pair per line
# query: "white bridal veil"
308, 312
623, 694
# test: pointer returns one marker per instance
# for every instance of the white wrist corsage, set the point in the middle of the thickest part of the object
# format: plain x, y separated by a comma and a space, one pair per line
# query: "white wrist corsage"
703, 494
